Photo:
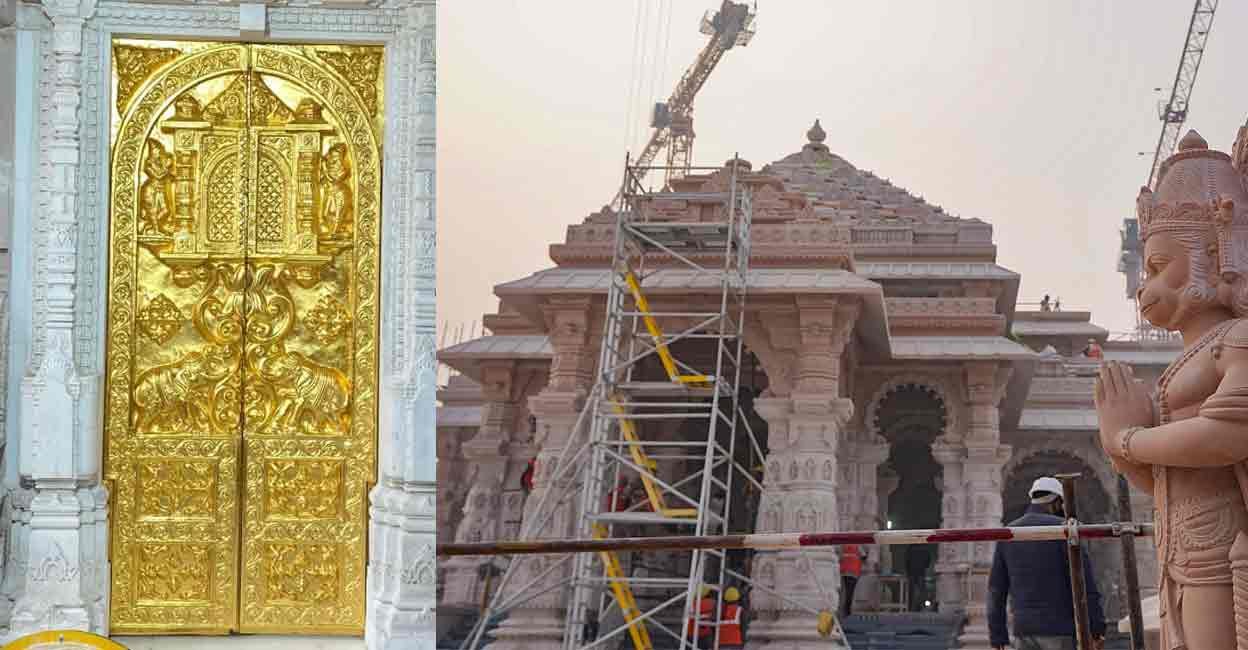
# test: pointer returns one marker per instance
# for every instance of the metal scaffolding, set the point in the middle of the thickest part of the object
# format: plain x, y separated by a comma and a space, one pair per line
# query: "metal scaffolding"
673, 429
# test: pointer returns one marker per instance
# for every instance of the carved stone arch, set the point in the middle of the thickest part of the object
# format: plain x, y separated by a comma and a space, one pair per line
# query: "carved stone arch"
1079, 451
936, 384
1095, 505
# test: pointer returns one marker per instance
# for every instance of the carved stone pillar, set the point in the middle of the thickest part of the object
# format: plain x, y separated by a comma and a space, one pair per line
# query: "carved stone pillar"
953, 560
801, 471
860, 509
62, 562
985, 458
401, 583
887, 482
982, 474
539, 622
487, 464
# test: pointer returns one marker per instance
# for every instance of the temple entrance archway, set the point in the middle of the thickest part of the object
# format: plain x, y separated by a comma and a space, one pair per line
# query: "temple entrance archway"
1093, 505
910, 418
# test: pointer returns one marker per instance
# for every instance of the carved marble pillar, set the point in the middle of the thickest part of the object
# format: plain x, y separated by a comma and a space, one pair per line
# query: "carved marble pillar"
401, 587
801, 470
985, 457
27, 37
539, 622
62, 566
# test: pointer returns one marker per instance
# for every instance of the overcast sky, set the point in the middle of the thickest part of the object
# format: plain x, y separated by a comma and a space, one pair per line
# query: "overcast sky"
1027, 114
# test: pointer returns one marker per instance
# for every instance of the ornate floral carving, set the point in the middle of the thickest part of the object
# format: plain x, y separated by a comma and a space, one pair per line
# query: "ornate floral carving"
54, 567
327, 320
173, 573
360, 67
136, 65
184, 489
420, 571
160, 319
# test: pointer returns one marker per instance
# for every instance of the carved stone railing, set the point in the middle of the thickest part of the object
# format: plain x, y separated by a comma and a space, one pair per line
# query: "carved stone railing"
940, 306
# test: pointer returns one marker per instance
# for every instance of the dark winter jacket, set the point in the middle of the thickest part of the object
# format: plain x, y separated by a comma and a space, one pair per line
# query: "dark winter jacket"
1036, 577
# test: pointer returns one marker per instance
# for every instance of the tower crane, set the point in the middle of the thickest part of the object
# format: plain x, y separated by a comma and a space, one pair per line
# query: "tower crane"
1173, 113
672, 120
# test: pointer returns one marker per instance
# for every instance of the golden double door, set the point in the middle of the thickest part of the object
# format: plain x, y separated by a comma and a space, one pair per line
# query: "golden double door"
241, 378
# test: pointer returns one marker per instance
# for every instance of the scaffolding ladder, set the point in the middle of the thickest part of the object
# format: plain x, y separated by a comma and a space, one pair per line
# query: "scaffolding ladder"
688, 468
702, 236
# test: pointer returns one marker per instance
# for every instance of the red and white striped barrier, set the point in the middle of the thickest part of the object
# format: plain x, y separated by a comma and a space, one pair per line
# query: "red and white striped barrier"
774, 541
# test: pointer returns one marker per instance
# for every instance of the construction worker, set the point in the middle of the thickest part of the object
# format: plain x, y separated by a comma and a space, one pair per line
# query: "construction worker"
526, 477
619, 499
704, 635
730, 620
1093, 351
1035, 577
851, 570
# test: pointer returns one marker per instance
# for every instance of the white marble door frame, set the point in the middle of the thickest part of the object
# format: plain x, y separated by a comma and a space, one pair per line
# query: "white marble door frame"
402, 514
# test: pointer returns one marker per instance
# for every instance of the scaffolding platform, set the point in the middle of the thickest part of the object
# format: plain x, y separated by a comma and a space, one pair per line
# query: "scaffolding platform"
657, 389
683, 237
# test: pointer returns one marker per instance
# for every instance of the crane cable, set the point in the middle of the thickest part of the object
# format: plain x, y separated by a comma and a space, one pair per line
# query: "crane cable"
630, 102
667, 43
655, 65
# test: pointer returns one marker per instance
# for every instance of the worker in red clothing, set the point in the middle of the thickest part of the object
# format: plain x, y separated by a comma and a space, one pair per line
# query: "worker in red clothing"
851, 570
704, 636
730, 620
526, 477
1093, 351
619, 499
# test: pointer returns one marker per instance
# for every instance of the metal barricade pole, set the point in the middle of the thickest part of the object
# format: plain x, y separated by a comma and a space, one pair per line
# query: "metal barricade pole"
1129, 567
1083, 633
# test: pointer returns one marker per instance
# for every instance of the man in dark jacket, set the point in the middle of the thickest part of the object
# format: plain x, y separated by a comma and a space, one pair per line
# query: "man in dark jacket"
1035, 575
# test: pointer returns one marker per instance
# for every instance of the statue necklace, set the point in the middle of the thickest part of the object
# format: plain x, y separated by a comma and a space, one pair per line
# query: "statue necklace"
1214, 334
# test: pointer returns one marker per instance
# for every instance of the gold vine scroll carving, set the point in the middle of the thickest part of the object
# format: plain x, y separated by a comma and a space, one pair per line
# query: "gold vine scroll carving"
241, 414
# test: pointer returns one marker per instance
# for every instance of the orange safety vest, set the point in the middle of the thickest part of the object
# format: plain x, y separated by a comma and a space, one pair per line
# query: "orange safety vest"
851, 561
706, 616
730, 626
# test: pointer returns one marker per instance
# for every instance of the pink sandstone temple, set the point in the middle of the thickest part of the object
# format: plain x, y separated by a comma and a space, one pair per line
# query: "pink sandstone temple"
939, 400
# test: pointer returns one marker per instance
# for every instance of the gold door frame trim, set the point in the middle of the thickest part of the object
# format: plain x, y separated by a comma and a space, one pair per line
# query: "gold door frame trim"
359, 128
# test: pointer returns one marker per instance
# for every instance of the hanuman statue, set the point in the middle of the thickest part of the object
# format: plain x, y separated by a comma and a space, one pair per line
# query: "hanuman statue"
1186, 442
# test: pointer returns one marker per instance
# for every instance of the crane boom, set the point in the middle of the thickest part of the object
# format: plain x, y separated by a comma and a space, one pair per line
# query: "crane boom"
1174, 112
673, 120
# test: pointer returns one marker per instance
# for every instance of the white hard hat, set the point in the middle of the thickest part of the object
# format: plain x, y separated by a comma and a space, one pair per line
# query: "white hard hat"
1045, 484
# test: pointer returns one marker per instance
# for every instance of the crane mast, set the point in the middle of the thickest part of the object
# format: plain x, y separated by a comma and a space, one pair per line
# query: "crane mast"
672, 120
1173, 113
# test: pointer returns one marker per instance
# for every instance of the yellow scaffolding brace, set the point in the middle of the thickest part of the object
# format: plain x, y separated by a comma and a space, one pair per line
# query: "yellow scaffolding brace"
652, 326
624, 595
653, 490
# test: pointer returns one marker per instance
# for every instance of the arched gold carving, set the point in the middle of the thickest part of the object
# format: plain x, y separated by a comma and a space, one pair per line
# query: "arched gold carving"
266, 391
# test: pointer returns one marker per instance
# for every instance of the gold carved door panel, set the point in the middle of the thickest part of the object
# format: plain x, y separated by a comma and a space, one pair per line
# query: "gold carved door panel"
242, 327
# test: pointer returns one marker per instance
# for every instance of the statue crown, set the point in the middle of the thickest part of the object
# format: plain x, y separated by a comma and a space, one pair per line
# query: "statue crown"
1198, 189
